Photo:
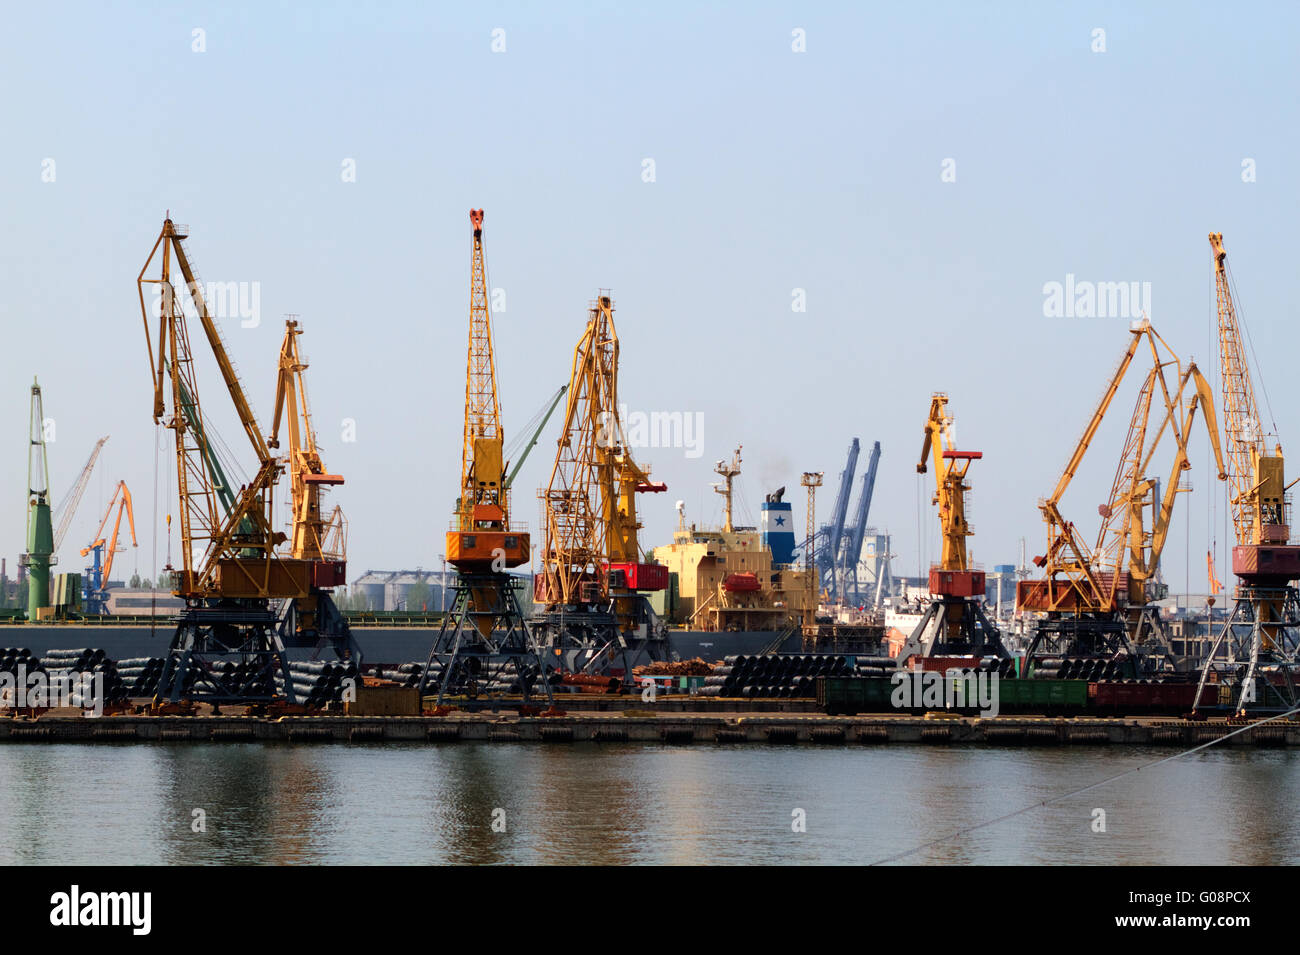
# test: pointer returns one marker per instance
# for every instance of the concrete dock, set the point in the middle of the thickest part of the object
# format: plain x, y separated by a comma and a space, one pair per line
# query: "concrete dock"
641, 726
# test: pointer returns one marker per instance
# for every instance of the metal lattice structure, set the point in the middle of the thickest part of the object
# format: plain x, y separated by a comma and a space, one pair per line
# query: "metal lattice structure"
594, 613
1255, 656
229, 643
576, 502
482, 431
67, 508
1099, 599
954, 623
485, 630
39, 555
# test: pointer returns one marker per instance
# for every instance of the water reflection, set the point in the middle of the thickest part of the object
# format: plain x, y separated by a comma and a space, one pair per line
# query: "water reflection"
631, 803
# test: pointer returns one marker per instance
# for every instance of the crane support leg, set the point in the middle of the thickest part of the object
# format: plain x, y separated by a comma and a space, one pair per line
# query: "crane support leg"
485, 642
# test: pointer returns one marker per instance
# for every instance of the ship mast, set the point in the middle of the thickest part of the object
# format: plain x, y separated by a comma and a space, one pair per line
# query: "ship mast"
728, 472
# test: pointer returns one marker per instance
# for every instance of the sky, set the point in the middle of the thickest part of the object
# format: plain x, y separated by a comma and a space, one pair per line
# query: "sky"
811, 217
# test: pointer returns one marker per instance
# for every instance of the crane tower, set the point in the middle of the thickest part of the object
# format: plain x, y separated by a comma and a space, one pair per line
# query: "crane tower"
484, 638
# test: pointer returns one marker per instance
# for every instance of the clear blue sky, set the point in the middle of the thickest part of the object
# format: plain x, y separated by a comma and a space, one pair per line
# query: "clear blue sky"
775, 170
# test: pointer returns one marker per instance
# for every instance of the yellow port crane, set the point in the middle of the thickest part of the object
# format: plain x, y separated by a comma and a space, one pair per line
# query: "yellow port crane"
950, 467
593, 574
230, 568
482, 536
1259, 670
485, 628
225, 553
312, 534
954, 624
321, 541
1097, 599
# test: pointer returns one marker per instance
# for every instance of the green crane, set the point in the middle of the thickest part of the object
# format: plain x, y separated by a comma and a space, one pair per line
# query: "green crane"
40, 531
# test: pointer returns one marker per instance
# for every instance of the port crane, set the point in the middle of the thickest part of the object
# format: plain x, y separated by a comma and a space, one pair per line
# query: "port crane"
39, 555
593, 576
853, 549
67, 508
829, 553
102, 551
1099, 601
1254, 656
485, 632
954, 624
314, 619
228, 644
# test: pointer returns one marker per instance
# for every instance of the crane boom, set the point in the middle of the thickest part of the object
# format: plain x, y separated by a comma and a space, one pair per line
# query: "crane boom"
1257, 479
589, 504
854, 553
67, 508
950, 467
225, 551
307, 475
482, 537
121, 499
1126, 557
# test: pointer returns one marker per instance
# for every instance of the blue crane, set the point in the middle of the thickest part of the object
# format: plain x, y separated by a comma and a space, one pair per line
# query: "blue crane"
828, 557
853, 546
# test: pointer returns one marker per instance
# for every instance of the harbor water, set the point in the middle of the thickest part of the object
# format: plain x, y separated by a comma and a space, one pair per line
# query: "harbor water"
256, 803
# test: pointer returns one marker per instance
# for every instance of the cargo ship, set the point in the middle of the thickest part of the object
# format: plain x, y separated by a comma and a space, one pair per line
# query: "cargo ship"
735, 589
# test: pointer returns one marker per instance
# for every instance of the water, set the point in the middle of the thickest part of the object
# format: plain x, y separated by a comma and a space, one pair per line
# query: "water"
636, 803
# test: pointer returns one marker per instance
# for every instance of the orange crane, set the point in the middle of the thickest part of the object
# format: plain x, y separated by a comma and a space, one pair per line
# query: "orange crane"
484, 633
104, 549
231, 570
593, 576
1097, 599
1261, 636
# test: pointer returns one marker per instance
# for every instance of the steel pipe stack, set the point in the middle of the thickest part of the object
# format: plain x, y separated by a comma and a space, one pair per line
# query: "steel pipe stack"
11, 658
773, 675
92, 661
316, 683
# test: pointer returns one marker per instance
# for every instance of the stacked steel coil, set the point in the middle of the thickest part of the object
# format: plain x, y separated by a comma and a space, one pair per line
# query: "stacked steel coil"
11, 658
140, 675
1081, 668
875, 666
92, 661
497, 677
773, 675
407, 674
319, 682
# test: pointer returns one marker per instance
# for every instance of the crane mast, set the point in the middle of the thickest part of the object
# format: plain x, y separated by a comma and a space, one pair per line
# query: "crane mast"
955, 622
39, 555
574, 502
307, 474
482, 537
1099, 599
1256, 477
485, 631
224, 553
1262, 630
593, 576
232, 576
950, 467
